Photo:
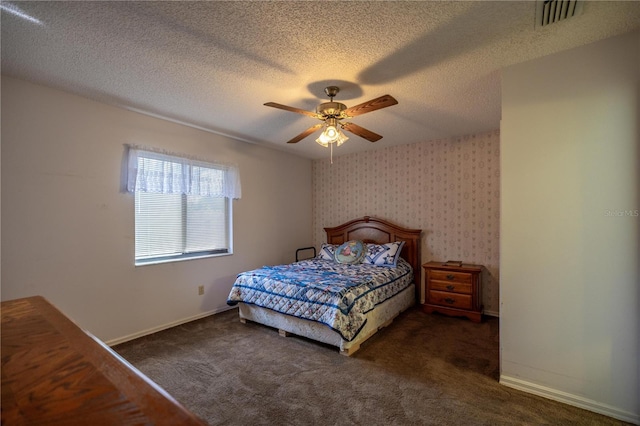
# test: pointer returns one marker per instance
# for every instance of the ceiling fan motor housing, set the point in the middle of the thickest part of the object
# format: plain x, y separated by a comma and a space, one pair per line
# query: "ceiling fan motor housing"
331, 110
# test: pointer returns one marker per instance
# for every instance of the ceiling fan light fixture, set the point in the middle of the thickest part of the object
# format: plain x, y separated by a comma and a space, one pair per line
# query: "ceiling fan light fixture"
331, 134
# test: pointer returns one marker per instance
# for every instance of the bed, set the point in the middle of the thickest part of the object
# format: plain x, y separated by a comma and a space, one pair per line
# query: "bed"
352, 301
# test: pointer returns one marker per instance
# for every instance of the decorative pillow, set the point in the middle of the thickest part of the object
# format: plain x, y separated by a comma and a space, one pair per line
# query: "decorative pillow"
350, 252
327, 251
383, 254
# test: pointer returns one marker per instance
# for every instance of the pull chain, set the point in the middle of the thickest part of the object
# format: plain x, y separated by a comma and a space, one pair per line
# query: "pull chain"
331, 148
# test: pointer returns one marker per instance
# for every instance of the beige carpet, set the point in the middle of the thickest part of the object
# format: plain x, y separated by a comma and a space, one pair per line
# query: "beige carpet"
421, 370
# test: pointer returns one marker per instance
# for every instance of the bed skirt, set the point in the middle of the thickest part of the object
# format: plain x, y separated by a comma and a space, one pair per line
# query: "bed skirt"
378, 318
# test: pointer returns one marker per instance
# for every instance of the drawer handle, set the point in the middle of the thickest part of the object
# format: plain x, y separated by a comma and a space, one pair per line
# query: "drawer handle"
450, 277
450, 300
451, 287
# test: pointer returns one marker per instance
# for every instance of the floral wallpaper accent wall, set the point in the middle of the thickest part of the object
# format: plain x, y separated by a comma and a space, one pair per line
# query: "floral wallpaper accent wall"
449, 188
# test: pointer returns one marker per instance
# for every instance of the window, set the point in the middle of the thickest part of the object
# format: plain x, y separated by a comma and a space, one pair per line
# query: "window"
176, 226
183, 207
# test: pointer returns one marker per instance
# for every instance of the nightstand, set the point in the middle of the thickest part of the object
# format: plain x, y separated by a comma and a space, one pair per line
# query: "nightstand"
453, 290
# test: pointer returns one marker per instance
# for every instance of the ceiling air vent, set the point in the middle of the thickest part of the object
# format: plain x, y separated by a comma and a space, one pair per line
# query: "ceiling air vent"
551, 11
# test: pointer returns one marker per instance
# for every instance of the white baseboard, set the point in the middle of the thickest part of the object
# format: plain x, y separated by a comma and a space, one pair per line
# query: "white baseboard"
148, 331
570, 399
491, 313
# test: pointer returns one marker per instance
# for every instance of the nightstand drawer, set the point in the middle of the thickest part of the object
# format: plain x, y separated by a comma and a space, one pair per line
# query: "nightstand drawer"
452, 286
451, 276
452, 300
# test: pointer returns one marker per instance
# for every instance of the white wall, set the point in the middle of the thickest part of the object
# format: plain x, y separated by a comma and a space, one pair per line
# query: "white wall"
68, 229
570, 231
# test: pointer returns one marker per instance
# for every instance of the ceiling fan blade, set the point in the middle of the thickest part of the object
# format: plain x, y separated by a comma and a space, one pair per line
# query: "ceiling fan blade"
305, 133
372, 105
361, 131
292, 109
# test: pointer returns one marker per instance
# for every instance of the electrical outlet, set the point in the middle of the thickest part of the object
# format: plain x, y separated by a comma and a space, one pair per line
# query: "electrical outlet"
200, 290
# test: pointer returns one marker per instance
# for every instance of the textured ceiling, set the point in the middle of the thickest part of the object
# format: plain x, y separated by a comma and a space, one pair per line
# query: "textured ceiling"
214, 64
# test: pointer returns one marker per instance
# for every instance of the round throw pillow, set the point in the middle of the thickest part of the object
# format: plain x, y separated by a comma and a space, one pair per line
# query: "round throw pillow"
350, 252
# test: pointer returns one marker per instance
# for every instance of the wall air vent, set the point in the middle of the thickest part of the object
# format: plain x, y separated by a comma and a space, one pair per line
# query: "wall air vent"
551, 11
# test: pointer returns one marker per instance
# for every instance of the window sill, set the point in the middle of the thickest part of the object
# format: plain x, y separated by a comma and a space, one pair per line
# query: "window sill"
157, 261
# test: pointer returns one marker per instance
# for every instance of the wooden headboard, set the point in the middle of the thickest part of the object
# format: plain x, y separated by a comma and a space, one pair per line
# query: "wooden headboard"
378, 231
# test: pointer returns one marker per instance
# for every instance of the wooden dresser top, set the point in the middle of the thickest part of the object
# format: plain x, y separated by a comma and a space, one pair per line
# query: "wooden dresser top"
55, 373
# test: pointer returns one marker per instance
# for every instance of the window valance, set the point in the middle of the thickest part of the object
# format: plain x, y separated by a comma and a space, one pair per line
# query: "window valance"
156, 171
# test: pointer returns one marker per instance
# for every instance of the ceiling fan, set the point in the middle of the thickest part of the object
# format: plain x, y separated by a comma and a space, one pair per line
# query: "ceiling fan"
332, 113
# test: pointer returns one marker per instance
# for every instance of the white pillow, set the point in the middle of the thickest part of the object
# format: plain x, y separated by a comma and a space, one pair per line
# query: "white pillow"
327, 251
383, 254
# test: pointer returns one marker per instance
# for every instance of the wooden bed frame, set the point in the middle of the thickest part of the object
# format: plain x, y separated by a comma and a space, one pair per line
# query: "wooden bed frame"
369, 230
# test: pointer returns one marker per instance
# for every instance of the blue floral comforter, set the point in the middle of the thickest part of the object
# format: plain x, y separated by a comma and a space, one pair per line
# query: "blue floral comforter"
331, 293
